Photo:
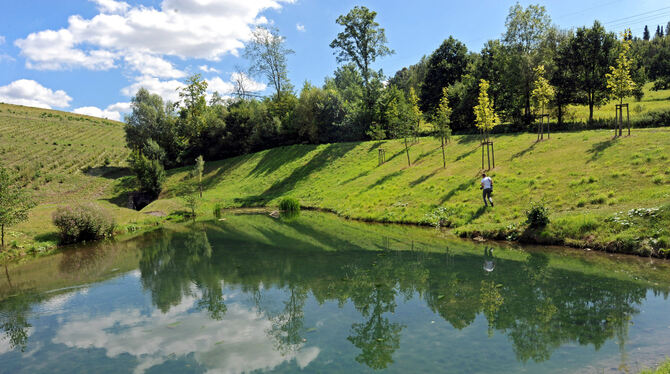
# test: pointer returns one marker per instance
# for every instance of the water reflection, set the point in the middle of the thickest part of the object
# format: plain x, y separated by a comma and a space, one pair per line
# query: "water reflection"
191, 276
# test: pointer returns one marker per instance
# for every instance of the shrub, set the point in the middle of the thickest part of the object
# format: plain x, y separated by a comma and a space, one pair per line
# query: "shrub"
289, 205
83, 222
537, 216
217, 210
600, 199
150, 174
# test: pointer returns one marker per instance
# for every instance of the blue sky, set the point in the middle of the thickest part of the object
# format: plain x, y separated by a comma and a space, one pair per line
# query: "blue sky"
90, 56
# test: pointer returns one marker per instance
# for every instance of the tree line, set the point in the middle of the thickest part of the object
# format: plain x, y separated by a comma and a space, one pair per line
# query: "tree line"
439, 94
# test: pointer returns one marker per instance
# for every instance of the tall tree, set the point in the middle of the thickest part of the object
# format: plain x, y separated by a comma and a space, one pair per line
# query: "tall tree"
268, 53
593, 53
15, 203
445, 66
619, 80
362, 41
542, 93
645, 33
441, 121
563, 77
415, 113
526, 28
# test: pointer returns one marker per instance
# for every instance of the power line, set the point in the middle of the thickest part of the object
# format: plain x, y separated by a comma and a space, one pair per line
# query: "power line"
636, 15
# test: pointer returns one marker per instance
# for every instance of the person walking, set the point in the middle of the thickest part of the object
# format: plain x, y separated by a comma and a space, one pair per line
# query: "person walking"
487, 189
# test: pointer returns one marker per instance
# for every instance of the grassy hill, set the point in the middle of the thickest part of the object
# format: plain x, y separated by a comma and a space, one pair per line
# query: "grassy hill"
585, 178
589, 181
61, 158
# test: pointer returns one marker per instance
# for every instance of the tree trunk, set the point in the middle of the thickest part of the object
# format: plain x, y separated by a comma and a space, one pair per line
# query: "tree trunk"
590, 108
3, 237
559, 108
444, 158
407, 151
200, 189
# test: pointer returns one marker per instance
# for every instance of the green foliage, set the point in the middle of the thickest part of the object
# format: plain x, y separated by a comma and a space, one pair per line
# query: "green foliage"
486, 117
444, 67
664, 368
198, 168
619, 80
15, 203
542, 92
289, 205
191, 202
150, 174
218, 209
441, 121
83, 222
537, 216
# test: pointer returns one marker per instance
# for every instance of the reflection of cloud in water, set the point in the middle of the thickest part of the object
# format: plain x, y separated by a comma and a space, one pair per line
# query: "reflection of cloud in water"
236, 344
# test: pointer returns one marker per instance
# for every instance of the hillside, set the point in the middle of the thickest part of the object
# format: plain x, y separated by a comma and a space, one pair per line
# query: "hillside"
584, 178
61, 157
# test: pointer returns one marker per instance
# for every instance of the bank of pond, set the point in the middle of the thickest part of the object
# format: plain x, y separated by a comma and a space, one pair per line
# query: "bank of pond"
316, 293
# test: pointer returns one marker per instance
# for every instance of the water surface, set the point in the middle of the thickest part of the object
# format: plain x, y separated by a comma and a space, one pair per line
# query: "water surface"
320, 294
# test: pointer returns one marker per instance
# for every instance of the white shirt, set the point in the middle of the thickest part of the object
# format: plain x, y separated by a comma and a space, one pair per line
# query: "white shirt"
487, 182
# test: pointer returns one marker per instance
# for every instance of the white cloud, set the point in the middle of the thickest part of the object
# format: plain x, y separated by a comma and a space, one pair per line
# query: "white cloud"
55, 50
238, 343
208, 69
2, 40
30, 93
300, 27
207, 29
154, 66
111, 6
112, 112
169, 89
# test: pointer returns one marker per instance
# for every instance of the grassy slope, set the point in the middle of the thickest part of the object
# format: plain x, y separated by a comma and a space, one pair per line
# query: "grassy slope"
49, 151
651, 101
578, 175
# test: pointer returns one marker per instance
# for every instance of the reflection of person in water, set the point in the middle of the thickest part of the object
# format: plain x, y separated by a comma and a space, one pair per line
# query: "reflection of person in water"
489, 265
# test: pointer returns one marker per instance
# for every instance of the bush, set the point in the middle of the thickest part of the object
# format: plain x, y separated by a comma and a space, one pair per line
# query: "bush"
83, 222
537, 216
217, 210
289, 205
150, 174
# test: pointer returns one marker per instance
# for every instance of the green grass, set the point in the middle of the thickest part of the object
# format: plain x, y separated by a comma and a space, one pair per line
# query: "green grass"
62, 158
584, 178
662, 369
651, 101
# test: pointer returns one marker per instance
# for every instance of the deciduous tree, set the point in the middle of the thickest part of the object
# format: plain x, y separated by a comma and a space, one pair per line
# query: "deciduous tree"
441, 121
542, 93
268, 54
619, 81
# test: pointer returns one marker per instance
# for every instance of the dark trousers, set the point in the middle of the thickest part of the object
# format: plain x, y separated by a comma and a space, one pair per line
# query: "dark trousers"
486, 194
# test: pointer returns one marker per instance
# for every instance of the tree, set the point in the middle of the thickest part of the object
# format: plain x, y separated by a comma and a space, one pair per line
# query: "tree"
645, 34
592, 51
198, 168
445, 66
361, 42
563, 79
267, 52
150, 174
619, 81
150, 120
542, 93
414, 113
485, 118
399, 117
526, 29
15, 203
441, 122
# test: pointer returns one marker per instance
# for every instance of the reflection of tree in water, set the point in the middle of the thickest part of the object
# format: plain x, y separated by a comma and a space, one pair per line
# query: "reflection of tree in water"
373, 292
14, 313
177, 265
287, 325
537, 307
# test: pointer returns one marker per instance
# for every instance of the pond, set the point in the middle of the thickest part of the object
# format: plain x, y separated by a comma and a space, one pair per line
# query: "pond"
320, 294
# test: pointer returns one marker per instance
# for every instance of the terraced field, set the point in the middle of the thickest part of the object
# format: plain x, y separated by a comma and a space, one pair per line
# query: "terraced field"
60, 156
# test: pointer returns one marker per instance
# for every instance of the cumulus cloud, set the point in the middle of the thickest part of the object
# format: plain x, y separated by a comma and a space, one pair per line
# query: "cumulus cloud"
169, 89
208, 69
30, 93
182, 28
151, 65
111, 6
300, 27
112, 112
236, 344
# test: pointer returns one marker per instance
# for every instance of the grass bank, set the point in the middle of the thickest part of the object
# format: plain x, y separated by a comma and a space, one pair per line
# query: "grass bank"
602, 193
